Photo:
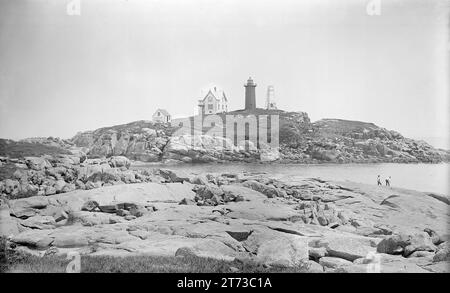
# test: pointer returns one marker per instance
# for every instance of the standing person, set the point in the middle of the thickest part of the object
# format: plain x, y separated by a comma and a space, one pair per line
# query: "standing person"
388, 181
379, 180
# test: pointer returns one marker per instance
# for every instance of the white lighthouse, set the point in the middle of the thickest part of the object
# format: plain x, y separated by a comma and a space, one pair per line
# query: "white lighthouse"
270, 104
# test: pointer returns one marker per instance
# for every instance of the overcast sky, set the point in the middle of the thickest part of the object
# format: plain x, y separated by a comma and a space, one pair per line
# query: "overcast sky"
120, 60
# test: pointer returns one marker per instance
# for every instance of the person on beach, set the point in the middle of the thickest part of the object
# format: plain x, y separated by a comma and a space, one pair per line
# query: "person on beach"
388, 181
379, 180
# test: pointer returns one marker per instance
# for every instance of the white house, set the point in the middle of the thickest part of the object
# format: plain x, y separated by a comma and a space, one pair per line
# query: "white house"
213, 101
162, 116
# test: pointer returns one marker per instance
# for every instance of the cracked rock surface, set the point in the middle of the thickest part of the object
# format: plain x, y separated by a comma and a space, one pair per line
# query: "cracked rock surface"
332, 226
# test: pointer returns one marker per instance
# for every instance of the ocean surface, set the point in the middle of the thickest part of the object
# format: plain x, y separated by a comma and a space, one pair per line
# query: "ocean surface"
422, 177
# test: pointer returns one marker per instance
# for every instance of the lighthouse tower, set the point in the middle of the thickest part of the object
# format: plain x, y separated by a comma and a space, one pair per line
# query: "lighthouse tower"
250, 96
270, 104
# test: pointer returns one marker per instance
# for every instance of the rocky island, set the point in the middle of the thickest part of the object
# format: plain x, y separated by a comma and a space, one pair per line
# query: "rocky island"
300, 141
83, 196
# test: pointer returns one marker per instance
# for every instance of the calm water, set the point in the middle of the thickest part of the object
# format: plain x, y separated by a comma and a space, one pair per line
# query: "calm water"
422, 177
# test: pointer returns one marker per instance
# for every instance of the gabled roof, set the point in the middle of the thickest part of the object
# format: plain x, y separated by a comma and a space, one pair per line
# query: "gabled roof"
214, 90
164, 112
216, 95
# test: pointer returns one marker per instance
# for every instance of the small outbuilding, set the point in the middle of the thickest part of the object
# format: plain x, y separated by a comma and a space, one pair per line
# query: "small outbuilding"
161, 116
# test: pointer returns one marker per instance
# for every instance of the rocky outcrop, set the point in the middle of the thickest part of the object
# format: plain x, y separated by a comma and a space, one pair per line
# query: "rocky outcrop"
157, 145
300, 141
48, 175
140, 141
206, 148
343, 141
327, 140
312, 224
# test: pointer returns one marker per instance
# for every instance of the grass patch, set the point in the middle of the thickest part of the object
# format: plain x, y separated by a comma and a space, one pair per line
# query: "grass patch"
14, 262
163, 264
34, 264
18, 149
139, 264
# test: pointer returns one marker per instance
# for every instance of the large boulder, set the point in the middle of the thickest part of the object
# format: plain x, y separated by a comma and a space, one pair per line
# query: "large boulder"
37, 163
347, 247
68, 187
39, 222
175, 175
108, 175
277, 249
67, 160
8, 225
209, 248
287, 252
269, 154
39, 239
419, 242
11, 187
241, 193
69, 240
94, 218
171, 245
200, 180
58, 213
140, 193
267, 190
207, 192
92, 185
313, 267
443, 253
128, 176
119, 161
333, 262
90, 205
435, 238
59, 185
91, 168
394, 244
27, 189
317, 253
21, 175
260, 210
27, 207
406, 244
49, 190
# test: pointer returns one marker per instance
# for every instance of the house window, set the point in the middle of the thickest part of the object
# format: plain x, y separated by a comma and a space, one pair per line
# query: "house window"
210, 106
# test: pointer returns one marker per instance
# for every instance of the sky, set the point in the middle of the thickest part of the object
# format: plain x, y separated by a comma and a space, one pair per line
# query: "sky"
118, 61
